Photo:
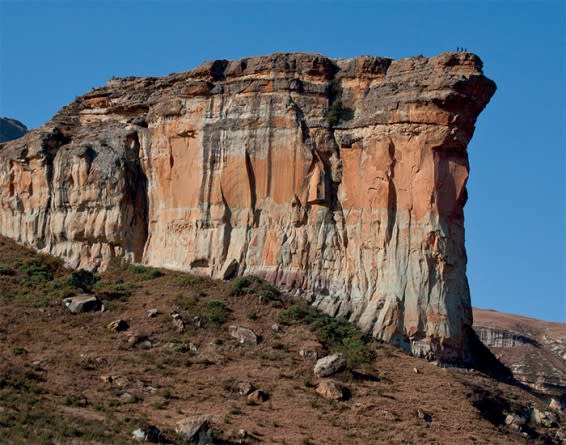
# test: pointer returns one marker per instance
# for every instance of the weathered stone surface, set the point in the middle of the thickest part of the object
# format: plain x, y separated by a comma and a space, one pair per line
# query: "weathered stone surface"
118, 325
252, 167
11, 129
258, 396
311, 350
330, 365
545, 418
195, 429
83, 303
245, 388
178, 321
244, 335
329, 389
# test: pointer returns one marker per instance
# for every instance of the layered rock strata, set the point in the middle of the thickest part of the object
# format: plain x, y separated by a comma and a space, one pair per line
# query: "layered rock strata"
344, 179
534, 350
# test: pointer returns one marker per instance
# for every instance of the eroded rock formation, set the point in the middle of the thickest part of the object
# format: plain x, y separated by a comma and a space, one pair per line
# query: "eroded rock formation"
343, 179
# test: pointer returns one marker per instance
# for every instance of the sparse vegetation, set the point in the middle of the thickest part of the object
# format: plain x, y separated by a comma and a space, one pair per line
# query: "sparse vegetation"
69, 379
251, 285
143, 273
336, 110
216, 312
336, 334
83, 279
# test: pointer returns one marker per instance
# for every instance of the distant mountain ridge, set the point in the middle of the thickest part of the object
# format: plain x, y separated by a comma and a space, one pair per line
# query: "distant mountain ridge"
11, 129
534, 350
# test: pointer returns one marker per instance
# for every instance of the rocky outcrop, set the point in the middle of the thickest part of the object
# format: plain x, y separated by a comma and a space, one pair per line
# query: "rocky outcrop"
11, 129
343, 179
534, 350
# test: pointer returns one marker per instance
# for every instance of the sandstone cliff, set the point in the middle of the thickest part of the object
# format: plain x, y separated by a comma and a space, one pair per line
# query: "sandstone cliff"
343, 179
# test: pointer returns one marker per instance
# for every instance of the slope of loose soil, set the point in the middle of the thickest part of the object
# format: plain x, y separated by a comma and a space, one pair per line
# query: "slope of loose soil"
55, 368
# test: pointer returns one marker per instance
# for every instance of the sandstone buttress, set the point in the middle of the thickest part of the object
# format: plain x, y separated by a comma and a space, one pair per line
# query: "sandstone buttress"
344, 179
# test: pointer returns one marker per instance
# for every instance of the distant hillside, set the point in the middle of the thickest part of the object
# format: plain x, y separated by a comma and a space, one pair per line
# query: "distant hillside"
11, 129
534, 350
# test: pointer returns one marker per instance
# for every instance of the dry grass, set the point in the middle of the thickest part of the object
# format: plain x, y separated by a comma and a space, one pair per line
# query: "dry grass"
54, 366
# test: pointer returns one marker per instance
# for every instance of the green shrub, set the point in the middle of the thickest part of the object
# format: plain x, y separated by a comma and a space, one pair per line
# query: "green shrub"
253, 285
336, 110
144, 273
215, 312
186, 280
336, 334
114, 289
5, 270
83, 279
41, 267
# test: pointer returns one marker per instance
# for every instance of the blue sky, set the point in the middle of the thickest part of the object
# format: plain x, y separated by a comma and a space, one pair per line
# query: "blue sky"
52, 51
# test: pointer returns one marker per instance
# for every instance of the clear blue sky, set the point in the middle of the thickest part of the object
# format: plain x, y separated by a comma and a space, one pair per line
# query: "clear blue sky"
52, 51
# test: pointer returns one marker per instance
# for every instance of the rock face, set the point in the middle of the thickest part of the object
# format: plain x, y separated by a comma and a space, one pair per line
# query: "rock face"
534, 350
11, 129
344, 179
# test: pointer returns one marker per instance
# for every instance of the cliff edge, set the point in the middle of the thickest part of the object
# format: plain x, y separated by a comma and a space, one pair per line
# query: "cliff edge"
344, 180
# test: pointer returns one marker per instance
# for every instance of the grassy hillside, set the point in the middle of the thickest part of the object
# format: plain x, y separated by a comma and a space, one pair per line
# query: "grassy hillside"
71, 379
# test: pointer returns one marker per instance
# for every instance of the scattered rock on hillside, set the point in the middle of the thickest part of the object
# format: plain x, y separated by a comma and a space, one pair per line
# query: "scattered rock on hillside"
148, 433
330, 365
329, 389
423, 415
152, 313
258, 396
244, 335
311, 350
547, 419
83, 303
556, 405
178, 321
118, 325
515, 421
195, 429
245, 388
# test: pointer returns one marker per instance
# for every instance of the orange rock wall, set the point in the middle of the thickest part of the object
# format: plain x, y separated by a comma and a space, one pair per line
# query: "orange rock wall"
233, 168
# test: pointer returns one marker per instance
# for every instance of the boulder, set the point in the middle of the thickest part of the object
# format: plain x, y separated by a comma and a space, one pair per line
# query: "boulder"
515, 421
178, 321
245, 388
258, 396
244, 335
330, 365
330, 389
118, 325
83, 303
423, 415
195, 429
556, 405
547, 419
152, 313
148, 433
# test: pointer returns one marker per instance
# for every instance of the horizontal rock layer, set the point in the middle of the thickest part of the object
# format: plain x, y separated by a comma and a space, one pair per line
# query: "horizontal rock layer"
533, 350
344, 179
